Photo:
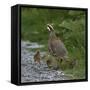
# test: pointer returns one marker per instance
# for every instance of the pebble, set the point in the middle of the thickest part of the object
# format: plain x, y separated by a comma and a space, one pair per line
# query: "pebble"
34, 72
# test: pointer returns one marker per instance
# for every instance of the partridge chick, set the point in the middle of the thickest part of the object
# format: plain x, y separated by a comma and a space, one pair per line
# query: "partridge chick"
37, 56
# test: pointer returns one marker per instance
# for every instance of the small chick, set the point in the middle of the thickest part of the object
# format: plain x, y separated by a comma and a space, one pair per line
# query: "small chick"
37, 56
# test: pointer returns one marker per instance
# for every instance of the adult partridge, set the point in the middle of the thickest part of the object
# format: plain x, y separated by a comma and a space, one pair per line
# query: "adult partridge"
55, 45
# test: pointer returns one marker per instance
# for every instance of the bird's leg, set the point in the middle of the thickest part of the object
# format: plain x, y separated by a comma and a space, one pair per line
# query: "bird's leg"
50, 51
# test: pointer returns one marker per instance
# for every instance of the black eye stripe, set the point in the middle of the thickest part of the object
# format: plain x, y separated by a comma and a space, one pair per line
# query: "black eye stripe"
51, 28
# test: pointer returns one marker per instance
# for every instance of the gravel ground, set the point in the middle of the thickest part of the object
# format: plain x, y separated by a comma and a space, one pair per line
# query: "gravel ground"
34, 72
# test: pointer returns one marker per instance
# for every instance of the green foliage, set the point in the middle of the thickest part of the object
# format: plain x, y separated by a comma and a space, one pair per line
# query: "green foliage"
70, 26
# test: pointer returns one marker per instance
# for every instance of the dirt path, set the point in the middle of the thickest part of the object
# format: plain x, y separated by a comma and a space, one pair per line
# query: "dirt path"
33, 72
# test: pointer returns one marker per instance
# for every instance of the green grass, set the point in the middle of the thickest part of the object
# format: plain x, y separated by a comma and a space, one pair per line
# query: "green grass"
70, 26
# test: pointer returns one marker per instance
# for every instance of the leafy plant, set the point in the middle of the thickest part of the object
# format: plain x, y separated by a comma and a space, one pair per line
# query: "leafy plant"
70, 26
